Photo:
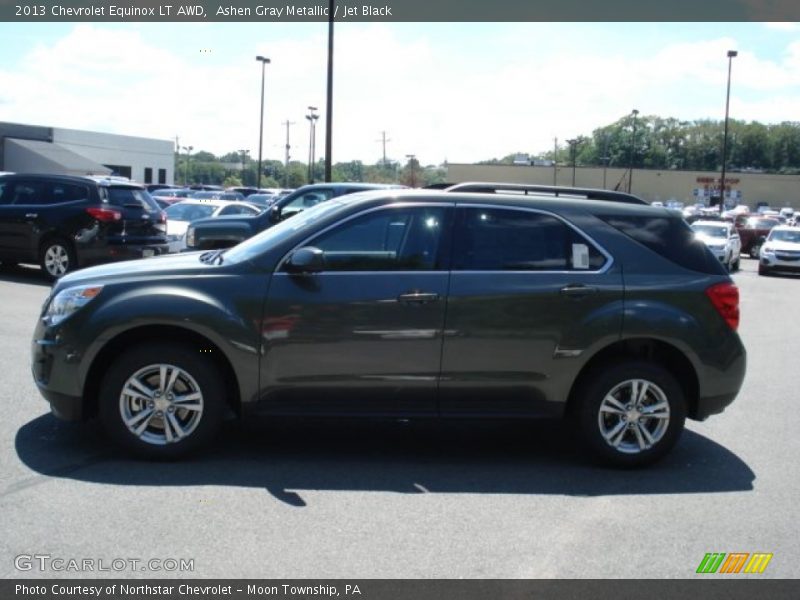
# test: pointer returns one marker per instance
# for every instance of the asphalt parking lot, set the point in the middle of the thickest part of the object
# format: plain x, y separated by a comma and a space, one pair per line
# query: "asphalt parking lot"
417, 500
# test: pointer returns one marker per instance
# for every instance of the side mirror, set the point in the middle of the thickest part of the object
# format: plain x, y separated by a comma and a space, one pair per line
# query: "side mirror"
306, 260
275, 213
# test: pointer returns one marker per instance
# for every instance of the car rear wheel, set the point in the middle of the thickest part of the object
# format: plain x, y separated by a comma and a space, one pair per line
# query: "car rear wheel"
57, 258
737, 264
162, 400
630, 414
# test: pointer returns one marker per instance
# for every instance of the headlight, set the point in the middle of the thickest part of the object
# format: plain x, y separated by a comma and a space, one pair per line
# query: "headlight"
190, 237
768, 250
68, 301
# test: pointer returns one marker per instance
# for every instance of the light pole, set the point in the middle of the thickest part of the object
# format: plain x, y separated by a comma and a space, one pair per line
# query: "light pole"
573, 144
731, 55
288, 124
329, 104
264, 61
186, 169
633, 146
605, 159
411, 158
312, 121
244, 154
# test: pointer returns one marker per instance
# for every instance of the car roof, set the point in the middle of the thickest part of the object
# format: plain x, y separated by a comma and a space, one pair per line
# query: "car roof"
784, 228
207, 202
717, 223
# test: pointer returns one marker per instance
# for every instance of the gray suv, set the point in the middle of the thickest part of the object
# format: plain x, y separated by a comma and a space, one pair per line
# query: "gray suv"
593, 307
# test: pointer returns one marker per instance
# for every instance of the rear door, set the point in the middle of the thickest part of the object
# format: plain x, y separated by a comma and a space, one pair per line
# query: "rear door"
142, 220
363, 336
529, 295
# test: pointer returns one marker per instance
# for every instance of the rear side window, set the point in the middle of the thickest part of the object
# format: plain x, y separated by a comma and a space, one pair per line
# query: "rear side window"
126, 197
491, 239
66, 192
672, 238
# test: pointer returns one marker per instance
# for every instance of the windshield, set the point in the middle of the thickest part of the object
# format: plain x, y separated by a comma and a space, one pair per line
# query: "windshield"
785, 235
716, 231
756, 223
275, 235
186, 211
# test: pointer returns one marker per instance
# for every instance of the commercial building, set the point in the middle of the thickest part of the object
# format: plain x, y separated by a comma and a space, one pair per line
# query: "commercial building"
650, 184
36, 149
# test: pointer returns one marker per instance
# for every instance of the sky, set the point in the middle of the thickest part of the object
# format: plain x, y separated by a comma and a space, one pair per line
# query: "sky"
455, 92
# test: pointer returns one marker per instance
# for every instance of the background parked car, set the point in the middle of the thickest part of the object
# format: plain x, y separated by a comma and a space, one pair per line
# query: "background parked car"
225, 232
64, 222
179, 216
781, 251
722, 239
263, 200
217, 195
167, 197
753, 230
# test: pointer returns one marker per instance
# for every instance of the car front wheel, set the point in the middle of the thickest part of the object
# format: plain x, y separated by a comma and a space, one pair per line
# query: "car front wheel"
162, 400
630, 414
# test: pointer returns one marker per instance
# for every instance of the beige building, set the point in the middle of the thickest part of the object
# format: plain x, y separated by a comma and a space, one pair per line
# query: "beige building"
652, 185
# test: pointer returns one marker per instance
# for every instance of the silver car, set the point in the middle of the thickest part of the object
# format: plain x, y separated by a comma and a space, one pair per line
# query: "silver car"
722, 239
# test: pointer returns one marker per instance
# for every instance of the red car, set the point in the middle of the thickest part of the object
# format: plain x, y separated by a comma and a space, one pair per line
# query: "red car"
753, 230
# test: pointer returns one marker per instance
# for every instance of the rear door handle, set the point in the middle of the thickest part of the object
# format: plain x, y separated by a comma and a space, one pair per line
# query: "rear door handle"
578, 290
417, 297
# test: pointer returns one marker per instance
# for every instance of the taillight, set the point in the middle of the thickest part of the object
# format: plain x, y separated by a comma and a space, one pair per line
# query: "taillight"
725, 298
106, 215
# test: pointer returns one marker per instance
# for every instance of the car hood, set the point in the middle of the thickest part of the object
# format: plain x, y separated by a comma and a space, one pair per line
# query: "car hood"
168, 265
711, 241
784, 246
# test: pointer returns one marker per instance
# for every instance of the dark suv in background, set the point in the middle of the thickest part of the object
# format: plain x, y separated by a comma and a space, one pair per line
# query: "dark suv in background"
224, 232
63, 223
409, 304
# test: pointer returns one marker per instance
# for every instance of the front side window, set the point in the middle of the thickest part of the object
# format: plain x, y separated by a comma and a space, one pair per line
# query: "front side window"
392, 239
497, 239
28, 193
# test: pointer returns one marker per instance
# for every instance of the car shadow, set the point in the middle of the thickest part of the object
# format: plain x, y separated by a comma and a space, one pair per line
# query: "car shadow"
286, 458
24, 274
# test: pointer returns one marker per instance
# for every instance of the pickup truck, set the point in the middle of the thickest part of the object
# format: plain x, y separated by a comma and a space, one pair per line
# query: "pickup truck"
224, 232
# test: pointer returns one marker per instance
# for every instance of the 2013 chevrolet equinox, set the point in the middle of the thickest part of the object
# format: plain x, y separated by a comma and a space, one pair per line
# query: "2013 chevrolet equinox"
407, 304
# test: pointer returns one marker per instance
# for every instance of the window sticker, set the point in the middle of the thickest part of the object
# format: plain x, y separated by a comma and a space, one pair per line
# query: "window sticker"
580, 256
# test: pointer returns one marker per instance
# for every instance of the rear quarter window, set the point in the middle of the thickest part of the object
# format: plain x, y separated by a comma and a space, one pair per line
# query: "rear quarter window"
670, 237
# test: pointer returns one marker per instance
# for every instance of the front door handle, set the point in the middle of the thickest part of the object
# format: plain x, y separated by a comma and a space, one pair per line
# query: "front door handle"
578, 290
417, 297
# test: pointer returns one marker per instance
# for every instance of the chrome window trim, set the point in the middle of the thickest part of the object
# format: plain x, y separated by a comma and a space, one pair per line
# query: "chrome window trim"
604, 269
394, 205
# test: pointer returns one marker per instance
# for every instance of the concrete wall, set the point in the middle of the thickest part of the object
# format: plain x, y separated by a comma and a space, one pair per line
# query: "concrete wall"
652, 185
110, 149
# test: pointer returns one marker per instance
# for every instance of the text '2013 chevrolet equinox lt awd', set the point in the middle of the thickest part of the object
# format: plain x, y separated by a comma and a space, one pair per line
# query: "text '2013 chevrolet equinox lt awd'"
408, 304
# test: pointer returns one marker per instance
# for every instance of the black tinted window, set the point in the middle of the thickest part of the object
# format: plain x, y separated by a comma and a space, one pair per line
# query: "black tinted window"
131, 198
27, 192
392, 239
672, 238
490, 239
65, 192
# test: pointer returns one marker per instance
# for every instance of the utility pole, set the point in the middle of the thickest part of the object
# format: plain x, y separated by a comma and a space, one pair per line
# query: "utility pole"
329, 100
312, 121
605, 159
555, 159
634, 112
286, 165
383, 140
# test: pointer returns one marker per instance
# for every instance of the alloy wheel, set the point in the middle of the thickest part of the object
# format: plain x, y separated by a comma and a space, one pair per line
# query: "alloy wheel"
634, 416
56, 260
161, 404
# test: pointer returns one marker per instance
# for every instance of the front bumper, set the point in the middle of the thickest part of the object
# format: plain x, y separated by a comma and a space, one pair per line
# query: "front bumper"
54, 366
780, 261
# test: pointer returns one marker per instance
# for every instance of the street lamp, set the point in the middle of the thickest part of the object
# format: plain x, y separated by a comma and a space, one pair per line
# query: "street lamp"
329, 98
731, 55
573, 143
312, 121
264, 61
186, 169
605, 158
411, 158
633, 144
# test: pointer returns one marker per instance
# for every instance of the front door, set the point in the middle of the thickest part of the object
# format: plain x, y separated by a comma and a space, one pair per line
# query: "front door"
364, 336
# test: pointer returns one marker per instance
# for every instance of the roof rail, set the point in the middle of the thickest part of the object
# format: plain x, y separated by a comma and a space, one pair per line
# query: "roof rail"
480, 187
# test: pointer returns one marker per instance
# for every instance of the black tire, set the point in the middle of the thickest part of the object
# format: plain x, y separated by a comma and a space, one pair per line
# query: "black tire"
755, 249
737, 264
762, 270
198, 425
632, 449
57, 258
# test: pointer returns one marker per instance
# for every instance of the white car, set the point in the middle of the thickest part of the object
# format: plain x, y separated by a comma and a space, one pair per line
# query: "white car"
722, 239
781, 250
180, 214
